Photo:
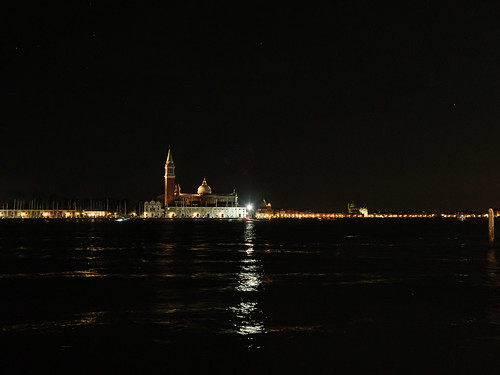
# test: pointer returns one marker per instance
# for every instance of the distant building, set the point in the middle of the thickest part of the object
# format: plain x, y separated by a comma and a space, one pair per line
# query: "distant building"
202, 204
153, 209
265, 211
37, 214
354, 210
94, 213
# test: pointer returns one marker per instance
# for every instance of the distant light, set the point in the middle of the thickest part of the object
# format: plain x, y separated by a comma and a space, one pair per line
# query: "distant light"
250, 207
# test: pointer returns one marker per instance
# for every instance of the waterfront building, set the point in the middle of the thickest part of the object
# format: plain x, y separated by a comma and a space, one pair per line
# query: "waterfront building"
202, 204
153, 209
50, 214
36, 214
94, 213
353, 209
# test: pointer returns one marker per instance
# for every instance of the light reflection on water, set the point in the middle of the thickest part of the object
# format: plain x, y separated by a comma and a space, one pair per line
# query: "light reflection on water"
248, 311
492, 266
492, 270
83, 319
156, 282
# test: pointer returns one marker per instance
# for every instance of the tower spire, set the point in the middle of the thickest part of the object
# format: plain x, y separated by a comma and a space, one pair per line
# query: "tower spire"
170, 159
169, 180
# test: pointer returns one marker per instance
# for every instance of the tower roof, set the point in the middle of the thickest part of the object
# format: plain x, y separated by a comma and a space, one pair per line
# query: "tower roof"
170, 159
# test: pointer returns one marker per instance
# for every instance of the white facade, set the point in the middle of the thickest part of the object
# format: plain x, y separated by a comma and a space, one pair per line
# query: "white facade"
206, 212
153, 209
363, 211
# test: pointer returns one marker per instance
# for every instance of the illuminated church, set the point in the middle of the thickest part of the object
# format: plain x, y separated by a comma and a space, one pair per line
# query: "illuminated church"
202, 204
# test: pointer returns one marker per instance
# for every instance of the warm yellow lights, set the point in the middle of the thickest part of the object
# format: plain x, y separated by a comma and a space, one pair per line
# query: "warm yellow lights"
94, 214
284, 214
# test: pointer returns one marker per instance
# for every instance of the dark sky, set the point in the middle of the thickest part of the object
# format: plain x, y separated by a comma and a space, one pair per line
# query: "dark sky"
395, 105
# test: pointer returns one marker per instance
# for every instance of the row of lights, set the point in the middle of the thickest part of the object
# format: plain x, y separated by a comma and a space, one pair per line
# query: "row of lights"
66, 214
379, 216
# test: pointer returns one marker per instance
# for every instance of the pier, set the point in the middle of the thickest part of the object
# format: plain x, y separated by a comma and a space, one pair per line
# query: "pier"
491, 223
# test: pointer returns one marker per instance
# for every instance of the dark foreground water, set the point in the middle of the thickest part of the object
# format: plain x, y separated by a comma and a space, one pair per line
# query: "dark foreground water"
350, 296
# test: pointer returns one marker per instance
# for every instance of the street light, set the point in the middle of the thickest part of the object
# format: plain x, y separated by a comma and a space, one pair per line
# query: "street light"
249, 210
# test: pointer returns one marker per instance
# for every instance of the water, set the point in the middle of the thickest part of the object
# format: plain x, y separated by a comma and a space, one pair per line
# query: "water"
347, 296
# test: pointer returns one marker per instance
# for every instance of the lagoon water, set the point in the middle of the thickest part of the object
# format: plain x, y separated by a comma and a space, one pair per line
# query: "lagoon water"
348, 296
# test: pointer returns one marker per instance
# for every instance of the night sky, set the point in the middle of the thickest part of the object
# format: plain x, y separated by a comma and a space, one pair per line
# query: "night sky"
395, 105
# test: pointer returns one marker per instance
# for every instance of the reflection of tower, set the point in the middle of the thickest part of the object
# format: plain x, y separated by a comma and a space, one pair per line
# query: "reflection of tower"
169, 179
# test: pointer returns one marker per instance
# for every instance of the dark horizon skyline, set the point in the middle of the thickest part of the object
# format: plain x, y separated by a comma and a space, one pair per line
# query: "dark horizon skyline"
58, 194
393, 106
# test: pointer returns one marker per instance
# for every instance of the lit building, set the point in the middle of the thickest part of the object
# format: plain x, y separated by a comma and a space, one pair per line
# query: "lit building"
153, 209
353, 209
202, 204
94, 213
37, 214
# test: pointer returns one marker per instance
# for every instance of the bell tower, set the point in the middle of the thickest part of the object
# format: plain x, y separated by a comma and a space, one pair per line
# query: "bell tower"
169, 179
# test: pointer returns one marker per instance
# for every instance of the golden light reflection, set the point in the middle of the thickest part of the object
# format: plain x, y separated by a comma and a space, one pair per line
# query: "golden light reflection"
493, 271
493, 267
85, 319
248, 313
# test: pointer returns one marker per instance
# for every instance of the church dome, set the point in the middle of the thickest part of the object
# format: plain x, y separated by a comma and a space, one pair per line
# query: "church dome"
204, 188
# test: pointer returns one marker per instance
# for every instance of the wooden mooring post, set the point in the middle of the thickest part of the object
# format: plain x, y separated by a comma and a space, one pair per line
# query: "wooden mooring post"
491, 224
